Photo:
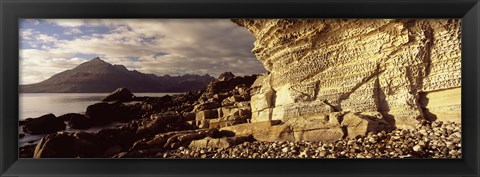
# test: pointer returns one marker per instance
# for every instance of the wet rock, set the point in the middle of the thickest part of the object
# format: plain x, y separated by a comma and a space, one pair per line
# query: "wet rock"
43, 125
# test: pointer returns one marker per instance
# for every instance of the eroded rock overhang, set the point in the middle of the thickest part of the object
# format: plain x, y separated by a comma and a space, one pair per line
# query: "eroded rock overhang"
407, 70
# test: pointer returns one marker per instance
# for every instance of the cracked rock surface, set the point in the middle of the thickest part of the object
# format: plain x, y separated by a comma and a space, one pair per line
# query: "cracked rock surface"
407, 70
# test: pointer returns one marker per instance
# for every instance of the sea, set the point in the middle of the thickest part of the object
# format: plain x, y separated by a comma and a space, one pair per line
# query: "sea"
33, 105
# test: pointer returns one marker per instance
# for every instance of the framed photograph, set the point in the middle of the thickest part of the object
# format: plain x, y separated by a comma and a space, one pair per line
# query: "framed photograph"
239, 88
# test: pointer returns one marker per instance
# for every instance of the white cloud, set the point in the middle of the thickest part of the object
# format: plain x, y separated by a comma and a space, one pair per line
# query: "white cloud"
159, 46
67, 22
46, 38
26, 33
72, 31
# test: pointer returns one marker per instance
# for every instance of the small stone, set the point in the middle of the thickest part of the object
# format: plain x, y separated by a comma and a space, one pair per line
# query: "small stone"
323, 153
417, 148
285, 150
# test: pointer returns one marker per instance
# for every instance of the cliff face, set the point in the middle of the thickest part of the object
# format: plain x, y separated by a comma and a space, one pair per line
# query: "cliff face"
407, 70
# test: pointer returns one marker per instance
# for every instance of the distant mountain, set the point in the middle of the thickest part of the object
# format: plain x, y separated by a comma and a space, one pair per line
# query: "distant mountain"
97, 75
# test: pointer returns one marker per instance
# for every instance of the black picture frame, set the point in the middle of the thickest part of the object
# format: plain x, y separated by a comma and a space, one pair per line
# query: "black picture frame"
12, 10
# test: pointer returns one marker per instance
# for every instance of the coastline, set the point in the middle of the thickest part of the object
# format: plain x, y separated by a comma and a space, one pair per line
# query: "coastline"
216, 123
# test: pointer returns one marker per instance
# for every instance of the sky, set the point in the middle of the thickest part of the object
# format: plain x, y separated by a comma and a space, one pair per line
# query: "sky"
158, 46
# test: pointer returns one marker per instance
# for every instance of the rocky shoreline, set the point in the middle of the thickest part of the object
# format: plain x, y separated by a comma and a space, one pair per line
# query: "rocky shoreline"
440, 140
216, 123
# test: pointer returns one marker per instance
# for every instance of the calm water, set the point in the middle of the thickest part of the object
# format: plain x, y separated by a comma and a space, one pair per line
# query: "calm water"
38, 104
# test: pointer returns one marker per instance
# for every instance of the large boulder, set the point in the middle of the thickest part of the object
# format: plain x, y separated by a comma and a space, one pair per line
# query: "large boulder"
360, 124
121, 95
109, 137
58, 145
316, 128
87, 145
76, 121
68, 145
104, 113
48, 123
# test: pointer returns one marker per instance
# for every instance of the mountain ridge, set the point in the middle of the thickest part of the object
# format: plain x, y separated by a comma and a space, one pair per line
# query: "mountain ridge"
97, 75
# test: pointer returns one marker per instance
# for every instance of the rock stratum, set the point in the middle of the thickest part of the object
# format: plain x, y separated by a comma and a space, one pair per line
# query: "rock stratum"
405, 70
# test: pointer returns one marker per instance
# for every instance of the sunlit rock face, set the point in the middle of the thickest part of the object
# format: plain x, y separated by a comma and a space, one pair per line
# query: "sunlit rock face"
407, 70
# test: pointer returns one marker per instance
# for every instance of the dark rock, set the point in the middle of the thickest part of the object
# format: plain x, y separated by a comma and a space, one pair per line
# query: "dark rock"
76, 121
26, 151
115, 136
160, 123
21, 122
112, 151
79, 122
226, 76
229, 85
120, 95
58, 145
43, 125
68, 116
104, 113
87, 145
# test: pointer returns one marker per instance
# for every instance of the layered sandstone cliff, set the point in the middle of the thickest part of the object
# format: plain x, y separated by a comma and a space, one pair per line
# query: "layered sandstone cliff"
407, 70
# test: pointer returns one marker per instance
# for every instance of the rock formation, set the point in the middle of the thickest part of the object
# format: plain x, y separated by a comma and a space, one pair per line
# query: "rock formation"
407, 70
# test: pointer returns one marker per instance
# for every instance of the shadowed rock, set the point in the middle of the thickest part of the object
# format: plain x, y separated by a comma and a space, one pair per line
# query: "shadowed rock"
104, 113
119, 95
226, 76
43, 125
55, 146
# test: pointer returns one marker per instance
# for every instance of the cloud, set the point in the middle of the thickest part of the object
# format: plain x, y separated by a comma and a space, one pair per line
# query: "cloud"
26, 33
67, 22
158, 46
72, 31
